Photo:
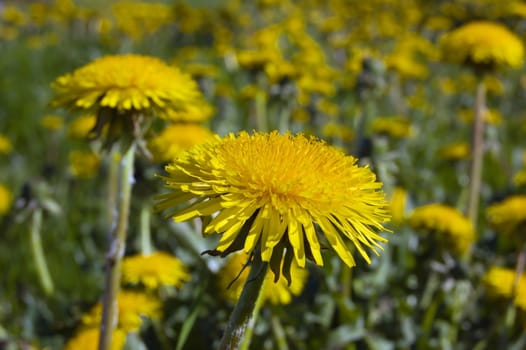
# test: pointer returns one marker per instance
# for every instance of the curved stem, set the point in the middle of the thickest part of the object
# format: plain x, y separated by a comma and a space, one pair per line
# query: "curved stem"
477, 151
242, 320
38, 253
116, 252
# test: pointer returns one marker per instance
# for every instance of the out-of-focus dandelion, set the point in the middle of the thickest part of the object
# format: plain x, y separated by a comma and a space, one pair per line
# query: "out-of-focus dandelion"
134, 308
446, 223
83, 164
508, 216
5, 145
483, 46
176, 138
6, 198
154, 270
87, 338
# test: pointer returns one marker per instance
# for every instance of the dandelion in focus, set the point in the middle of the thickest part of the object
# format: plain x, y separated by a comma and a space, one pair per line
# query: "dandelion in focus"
282, 195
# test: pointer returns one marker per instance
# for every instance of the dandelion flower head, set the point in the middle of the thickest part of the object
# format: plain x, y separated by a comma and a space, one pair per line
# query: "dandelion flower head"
278, 193
88, 339
133, 307
127, 83
279, 292
483, 44
154, 270
509, 215
448, 224
499, 283
176, 138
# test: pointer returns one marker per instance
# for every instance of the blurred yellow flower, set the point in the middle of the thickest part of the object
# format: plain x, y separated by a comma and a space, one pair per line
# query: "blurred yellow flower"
398, 206
138, 18
395, 127
335, 130
231, 281
154, 270
280, 192
127, 83
499, 284
455, 151
6, 198
88, 339
52, 122
490, 116
5, 145
80, 127
508, 216
519, 178
176, 138
133, 307
483, 44
448, 225
83, 164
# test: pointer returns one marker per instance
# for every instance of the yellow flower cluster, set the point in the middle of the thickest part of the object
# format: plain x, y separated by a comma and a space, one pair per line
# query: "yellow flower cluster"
446, 223
87, 338
395, 127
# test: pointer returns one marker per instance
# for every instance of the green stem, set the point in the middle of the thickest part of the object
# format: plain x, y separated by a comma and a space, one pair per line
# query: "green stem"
38, 253
261, 111
242, 320
511, 310
146, 235
279, 333
116, 252
477, 151
113, 184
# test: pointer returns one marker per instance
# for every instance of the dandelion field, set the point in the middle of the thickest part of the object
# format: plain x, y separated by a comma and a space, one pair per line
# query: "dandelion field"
343, 174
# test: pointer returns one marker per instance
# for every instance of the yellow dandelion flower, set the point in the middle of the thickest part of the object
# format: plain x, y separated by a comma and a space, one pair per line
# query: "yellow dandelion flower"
132, 308
483, 44
499, 284
5, 145
447, 223
52, 122
509, 215
83, 164
88, 339
396, 127
276, 193
6, 198
137, 19
193, 113
231, 282
455, 151
176, 138
81, 126
127, 83
154, 270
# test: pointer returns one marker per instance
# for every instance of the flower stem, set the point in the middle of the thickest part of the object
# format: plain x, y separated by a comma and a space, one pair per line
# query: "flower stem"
261, 111
242, 320
38, 253
279, 333
511, 311
116, 252
477, 151
146, 235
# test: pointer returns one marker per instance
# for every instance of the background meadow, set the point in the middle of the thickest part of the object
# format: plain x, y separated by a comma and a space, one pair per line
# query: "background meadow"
369, 77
